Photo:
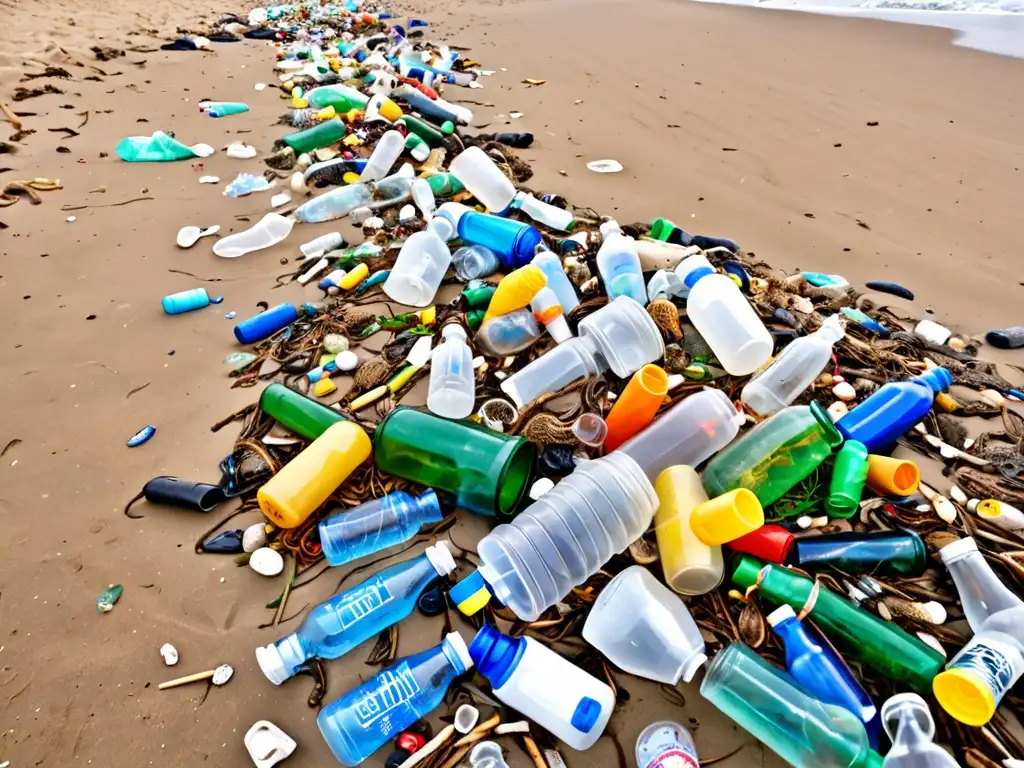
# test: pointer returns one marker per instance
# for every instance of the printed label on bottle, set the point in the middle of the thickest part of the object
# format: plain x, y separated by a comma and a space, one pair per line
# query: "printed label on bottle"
991, 660
674, 758
385, 696
363, 601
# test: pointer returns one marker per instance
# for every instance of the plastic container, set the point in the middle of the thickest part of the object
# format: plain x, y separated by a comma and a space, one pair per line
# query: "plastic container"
349, 618
875, 553
544, 213
513, 241
558, 281
908, 723
562, 539
305, 482
473, 261
722, 315
619, 265
225, 108
644, 629
821, 671
507, 334
388, 149
997, 513
534, 680
766, 702
369, 716
849, 474
690, 432
889, 476
775, 455
349, 534
266, 323
548, 311
515, 291
727, 517
665, 745
420, 266
452, 390
298, 413
322, 135
620, 336
590, 429
483, 178
341, 97
488, 471
185, 301
859, 635
268, 231
690, 566
893, 409
321, 245
636, 407
769, 542
794, 370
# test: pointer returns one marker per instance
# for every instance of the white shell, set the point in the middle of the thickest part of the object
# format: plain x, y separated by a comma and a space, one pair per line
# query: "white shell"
266, 562
209, 179
957, 495
335, 343
222, 674
374, 222
837, 410
844, 391
466, 718
267, 744
254, 537
298, 183
542, 486
408, 213
347, 361
170, 654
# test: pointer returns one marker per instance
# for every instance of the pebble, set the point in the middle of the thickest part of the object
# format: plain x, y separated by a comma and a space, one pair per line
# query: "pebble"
837, 410
266, 562
170, 654
347, 361
335, 343
844, 391
254, 537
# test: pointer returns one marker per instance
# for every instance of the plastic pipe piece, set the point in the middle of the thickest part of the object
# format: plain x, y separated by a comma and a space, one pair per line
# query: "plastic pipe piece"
727, 517
298, 413
185, 301
897, 477
849, 473
637, 405
516, 291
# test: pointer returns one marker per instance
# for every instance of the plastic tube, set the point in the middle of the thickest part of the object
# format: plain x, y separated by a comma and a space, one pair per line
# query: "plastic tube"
691, 567
298, 413
185, 301
637, 405
727, 517
897, 477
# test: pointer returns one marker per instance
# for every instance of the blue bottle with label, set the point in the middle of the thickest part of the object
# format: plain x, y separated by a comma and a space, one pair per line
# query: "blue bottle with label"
350, 534
893, 410
335, 627
368, 717
822, 672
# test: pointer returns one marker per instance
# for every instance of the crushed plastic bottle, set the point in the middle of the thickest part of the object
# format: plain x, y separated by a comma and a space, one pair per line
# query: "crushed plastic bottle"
421, 264
245, 184
159, 147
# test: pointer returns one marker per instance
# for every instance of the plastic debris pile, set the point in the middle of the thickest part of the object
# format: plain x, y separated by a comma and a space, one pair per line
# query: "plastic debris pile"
647, 415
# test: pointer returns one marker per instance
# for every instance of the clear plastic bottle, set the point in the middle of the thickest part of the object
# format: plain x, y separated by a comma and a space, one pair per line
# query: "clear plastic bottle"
619, 265
341, 201
794, 370
544, 213
349, 534
452, 390
473, 261
389, 148
558, 281
563, 538
909, 724
421, 264
723, 316
644, 629
335, 627
508, 334
368, 717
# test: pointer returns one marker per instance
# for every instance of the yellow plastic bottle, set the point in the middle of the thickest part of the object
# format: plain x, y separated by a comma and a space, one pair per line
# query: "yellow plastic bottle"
305, 482
727, 517
691, 567
354, 277
515, 291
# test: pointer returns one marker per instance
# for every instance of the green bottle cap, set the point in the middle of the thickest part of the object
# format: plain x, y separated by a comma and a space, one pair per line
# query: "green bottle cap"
661, 229
447, 127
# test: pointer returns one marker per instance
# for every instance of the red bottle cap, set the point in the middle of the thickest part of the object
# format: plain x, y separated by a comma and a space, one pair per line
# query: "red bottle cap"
769, 542
410, 742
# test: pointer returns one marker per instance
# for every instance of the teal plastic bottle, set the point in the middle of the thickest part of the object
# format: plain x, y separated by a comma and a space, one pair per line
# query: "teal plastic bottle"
335, 627
368, 717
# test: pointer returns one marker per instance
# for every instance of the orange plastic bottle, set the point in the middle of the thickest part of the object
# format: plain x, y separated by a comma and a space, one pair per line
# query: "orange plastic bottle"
305, 482
636, 406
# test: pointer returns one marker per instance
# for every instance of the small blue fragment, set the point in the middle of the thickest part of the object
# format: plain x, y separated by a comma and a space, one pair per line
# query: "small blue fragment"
141, 436
217, 300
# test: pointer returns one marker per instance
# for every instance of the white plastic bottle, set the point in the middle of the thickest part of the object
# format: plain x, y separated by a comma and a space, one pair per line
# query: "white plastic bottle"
619, 265
452, 390
389, 148
421, 264
544, 213
553, 692
723, 316
794, 370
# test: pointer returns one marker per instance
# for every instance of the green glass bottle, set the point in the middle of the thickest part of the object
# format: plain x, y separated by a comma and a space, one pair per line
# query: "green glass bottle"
489, 472
860, 635
298, 413
849, 473
775, 455
323, 135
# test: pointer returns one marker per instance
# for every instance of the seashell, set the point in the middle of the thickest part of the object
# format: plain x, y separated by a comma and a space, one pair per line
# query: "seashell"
254, 537
170, 654
825, 380
676, 358
844, 391
547, 429
266, 562
374, 222
644, 551
931, 642
578, 271
590, 286
347, 361
957, 495
666, 317
930, 612
335, 343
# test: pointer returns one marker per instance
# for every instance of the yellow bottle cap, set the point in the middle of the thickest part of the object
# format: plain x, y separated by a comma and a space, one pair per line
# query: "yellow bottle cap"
350, 177
352, 140
965, 696
299, 102
326, 113
428, 315
470, 595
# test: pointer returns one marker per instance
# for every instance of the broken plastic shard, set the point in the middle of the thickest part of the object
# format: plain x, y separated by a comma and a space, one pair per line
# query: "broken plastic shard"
141, 436
170, 654
605, 166
267, 744
240, 360
466, 718
268, 231
105, 602
222, 674
245, 184
240, 151
189, 236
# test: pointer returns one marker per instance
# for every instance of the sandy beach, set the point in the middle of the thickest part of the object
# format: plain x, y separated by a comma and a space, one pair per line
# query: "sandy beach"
873, 150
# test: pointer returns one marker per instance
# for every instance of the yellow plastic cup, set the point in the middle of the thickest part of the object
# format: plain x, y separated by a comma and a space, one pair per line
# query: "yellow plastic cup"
965, 696
727, 517
897, 477
515, 291
690, 566
305, 482
354, 277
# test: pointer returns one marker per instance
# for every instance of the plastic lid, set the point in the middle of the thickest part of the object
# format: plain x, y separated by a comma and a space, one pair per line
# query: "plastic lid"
273, 666
937, 378
457, 644
957, 550
470, 595
780, 614
975, 504
661, 229
586, 715
965, 696
609, 227
442, 226
496, 655
441, 558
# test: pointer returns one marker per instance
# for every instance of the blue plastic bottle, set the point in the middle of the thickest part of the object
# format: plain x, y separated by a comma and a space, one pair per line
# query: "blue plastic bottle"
185, 301
822, 672
350, 534
893, 410
335, 627
513, 241
266, 323
368, 717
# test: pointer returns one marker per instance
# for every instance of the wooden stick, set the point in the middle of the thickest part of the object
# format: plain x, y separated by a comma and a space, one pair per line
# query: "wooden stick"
186, 680
429, 748
477, 733
534, 752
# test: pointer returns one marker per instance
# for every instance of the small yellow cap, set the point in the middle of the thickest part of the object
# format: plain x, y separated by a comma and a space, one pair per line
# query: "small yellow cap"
428, 315
476, 603
351, 140
964, 696
350, 177
299, 102
324, 387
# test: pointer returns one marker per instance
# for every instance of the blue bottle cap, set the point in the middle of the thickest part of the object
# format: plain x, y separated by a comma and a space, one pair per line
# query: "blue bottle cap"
470, 595
496, 655
586, 714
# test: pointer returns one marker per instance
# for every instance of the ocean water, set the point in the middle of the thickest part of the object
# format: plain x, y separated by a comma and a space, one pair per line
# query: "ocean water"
996, 26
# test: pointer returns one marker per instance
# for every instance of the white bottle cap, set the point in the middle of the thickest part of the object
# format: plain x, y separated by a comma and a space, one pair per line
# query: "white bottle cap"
441, 558
559, 329
780, 614
442, 226
273, 666
453, 329
459, 646
609, 227
957, 550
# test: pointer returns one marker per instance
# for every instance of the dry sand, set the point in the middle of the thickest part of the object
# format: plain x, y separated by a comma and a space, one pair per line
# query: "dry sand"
726, 121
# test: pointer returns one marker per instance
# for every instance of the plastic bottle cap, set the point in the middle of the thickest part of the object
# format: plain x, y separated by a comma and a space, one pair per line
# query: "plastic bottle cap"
958, 549
441, 558
975, 504
780, 614
609, 227
965, 696
470, 595
273, 666
455, 640
453, 329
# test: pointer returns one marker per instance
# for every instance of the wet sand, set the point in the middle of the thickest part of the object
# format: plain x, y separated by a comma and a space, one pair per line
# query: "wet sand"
726, 120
